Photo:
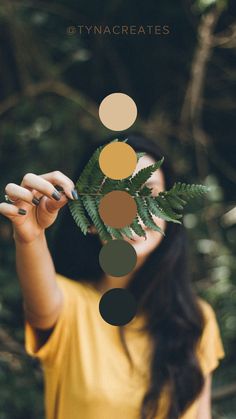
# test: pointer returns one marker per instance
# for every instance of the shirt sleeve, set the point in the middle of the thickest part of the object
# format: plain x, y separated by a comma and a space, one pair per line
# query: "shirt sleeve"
51, 352
210, 349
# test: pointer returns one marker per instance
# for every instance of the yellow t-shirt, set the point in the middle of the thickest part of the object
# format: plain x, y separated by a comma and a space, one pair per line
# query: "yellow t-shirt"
86, 371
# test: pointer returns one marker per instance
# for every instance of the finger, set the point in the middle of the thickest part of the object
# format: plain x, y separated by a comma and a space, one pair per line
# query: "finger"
32, 181
16, 192
58, 178
11, 211
53, 206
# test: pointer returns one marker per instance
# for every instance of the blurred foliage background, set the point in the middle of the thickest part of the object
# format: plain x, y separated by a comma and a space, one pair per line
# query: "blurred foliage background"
52, 80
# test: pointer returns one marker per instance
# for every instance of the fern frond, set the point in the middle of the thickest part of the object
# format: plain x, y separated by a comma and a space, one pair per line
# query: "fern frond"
140, 154
146, 216
83, 181
145, 191
126, 231
143, 175
91, 205
92, 177
178, 196
165, 207
115, 185
96, 179
120, 233
187, 191
78, 213
174, 203
124, 184
108, 186
136, 227
114, 232
158, 211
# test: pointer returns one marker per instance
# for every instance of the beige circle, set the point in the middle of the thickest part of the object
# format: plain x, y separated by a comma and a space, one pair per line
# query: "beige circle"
117, 160
117, 111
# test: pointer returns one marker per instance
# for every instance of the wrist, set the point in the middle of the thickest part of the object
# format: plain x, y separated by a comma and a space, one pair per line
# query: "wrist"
28, 241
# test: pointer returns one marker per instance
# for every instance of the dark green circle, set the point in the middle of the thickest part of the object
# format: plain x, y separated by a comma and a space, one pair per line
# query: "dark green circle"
117, 257
118, 306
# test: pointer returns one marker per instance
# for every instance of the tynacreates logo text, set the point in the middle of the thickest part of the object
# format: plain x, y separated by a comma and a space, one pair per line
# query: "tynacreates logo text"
123, 30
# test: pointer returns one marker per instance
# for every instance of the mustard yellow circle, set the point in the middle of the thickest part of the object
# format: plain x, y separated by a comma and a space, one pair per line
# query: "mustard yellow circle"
117, 160
117, 111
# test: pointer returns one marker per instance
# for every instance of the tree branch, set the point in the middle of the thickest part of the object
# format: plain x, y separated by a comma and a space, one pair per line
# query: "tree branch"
226, 39
220, 393
57, 87
193, 99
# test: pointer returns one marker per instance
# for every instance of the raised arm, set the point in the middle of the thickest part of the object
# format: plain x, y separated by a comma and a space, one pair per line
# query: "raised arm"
36, 203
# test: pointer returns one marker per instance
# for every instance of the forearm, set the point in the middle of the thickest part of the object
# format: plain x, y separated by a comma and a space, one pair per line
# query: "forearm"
36, 274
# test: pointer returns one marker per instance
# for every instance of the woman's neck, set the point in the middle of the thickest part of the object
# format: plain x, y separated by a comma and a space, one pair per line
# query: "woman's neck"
107, 282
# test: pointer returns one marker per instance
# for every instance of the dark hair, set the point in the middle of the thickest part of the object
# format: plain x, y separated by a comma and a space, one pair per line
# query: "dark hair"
163, 290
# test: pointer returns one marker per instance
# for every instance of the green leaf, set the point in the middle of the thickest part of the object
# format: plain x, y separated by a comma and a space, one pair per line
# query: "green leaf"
85, 177
145, 191
174, 202
78, 213
158, 211
140, 154
146, 215
136, 227
114, 185
91, 205
120, 233
143, 175
187, 191
96, 179
114, 232
126, 231
169, 201
108, 186
166, 208
93, 184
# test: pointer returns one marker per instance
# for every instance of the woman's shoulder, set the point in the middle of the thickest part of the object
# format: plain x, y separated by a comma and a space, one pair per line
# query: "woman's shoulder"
211, 325
210, 347
206, 308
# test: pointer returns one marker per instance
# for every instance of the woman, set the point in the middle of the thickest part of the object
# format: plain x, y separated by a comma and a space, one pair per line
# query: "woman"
157, 366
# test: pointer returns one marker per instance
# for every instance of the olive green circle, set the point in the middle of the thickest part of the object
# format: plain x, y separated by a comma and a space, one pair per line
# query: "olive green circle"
117, 257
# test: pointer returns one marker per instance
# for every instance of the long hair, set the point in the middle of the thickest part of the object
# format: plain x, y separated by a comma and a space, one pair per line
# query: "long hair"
163, 290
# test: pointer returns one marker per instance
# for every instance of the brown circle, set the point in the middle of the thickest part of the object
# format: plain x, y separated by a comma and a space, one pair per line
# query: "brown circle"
117, 209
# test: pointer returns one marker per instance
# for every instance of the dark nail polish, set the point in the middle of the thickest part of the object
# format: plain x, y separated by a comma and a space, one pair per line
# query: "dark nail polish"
22, 211
59, 188
56, 195
75, 194
35, 201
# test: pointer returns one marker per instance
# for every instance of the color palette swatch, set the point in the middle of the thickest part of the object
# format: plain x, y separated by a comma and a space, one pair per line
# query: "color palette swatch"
117, 257
118, 306
117, 111
117, 160
117, 209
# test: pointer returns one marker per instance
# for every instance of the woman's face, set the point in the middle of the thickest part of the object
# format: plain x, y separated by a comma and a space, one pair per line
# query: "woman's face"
157, 183
142, 246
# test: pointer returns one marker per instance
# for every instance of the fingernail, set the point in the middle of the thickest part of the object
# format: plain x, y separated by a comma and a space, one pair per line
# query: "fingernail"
75, 194
35, 201
56, 195
22, 211
59, 188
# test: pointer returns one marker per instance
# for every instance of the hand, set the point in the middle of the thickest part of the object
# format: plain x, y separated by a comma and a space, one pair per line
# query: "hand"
36, 203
